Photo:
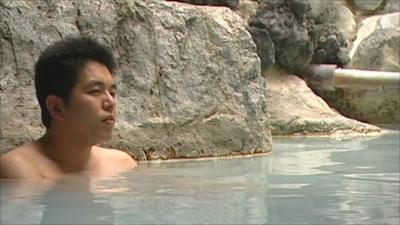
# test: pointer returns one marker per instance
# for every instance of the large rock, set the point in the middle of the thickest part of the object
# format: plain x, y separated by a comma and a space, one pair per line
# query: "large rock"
265, 46
390, 6
189, 80
295, 110
331, 46
303, 32
288, 25
377, 44
337, 13
247, 9
376, 48
367, 5
374, 7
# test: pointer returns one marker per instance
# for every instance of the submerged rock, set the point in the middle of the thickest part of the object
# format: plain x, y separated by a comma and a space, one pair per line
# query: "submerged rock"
189, 77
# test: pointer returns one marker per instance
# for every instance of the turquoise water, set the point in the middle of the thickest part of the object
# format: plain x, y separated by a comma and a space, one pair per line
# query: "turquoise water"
304, 181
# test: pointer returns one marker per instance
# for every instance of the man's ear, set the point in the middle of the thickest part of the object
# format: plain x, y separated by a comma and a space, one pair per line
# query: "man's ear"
56, 107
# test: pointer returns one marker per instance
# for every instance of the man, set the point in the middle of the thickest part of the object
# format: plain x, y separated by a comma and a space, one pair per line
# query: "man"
74, 81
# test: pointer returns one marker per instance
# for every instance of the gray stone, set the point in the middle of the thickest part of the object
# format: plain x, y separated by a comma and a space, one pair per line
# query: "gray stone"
331, 46
265, 47
247, 9
300, 8
288, 25
229, 3
372, 26
367, 5
379, 51
294, 109
336, 13
376, 48
371, 106
390, 6
189, 77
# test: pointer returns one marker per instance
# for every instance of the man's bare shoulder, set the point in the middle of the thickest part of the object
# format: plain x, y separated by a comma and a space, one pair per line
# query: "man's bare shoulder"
17, 163
116, 157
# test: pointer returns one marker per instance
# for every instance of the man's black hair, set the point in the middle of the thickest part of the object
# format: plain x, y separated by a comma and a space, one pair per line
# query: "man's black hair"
58, 68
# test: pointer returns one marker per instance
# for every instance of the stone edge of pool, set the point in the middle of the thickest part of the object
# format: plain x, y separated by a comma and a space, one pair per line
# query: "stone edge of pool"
385, 129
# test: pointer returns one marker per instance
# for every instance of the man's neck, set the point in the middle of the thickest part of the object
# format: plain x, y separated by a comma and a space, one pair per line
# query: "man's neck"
68, 151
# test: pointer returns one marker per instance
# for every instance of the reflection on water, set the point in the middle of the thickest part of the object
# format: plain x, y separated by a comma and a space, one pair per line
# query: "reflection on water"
79, 205
69, 201
17, 203
305, 181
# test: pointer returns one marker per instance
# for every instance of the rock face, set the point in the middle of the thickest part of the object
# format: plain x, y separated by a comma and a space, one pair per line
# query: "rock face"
367, 5
288, 25
295, 110
377, 44
374, 7
189, 77
376, 48
247, 9
265, 46
229, 3
302, 32
331, 46
336, 13
389, 6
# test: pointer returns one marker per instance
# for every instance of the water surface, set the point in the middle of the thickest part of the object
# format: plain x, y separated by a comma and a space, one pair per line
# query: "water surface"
304, 181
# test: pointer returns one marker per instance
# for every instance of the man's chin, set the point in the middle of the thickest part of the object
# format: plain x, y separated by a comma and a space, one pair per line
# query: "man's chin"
103, 138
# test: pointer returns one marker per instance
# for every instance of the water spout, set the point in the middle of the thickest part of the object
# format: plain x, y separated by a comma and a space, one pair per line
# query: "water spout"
329, 77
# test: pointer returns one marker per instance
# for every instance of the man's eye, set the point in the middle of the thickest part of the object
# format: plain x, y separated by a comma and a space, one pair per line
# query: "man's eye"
113, 93
94, 92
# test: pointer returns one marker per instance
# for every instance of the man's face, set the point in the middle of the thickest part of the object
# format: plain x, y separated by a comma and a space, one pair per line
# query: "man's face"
91, 110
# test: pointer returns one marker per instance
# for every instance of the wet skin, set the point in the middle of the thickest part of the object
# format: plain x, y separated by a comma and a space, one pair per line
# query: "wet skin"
69, 146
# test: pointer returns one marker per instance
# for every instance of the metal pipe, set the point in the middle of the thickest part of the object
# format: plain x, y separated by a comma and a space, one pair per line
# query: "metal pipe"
320, 76
350, 78
328, 77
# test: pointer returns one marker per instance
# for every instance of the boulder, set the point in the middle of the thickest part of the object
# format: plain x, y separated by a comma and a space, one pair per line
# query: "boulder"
371, 106
288, 25
379, 51
247, 9
336, 13
367, 5
331, 46
265, 46
376, 48
294, 109
303, 32
389, 6
189, 77
377, 44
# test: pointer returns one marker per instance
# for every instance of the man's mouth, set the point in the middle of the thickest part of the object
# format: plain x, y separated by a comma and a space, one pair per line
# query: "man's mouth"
110, 119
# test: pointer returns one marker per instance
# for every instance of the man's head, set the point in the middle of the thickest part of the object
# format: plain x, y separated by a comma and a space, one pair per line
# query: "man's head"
60, 65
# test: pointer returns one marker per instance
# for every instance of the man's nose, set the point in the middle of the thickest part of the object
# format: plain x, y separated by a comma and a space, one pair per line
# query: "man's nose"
109, 102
